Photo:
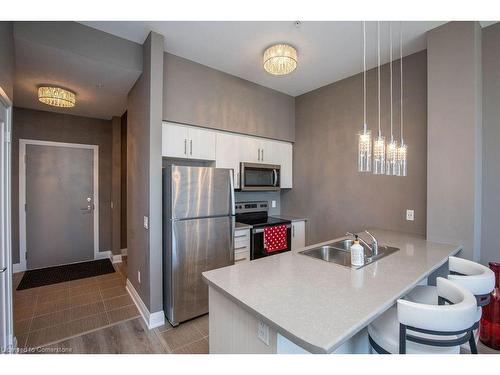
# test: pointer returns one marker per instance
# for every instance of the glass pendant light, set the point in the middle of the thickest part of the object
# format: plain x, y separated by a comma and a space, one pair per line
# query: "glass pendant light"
379, 143
365, 136
392, 147
402, 153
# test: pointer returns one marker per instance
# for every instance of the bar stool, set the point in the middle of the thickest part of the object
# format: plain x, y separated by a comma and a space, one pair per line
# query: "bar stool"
416, 328
475, 277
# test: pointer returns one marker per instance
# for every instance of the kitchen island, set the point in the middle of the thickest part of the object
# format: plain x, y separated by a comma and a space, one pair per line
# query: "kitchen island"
292, 303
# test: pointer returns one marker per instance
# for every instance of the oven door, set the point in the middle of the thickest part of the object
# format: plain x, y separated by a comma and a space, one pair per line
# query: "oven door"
257, 243
260, 177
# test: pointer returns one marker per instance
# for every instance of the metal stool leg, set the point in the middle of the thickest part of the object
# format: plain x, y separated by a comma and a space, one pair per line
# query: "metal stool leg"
472, 343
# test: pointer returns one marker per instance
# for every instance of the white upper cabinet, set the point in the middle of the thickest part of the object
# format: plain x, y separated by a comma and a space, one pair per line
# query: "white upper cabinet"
229, 153
202, 144
180, 141
227, 149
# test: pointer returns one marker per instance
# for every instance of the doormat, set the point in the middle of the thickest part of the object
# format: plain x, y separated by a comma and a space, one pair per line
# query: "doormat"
68, 272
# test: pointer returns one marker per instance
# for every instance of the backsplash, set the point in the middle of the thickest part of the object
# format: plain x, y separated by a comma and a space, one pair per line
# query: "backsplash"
248, 196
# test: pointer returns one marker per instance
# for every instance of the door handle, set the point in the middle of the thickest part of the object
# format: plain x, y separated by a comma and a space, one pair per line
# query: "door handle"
258, 154
262, 158
191, 147
185, 146
3, 270
88, 208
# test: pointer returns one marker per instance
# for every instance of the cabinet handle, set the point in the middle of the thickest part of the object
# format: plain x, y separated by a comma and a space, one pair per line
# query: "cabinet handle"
191, 147
240, 260
241, 236
262, 158
185, 146
293, 231
240, 248
258, 154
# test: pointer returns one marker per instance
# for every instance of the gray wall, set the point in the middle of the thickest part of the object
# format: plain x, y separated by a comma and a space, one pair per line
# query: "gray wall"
454, 135
328, 190
144, 115
48, 126
116, 198
490, 245
7, 58
198, 95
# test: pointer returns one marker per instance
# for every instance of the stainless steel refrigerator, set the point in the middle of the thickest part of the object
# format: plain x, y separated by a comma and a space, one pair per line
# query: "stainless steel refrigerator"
198, 229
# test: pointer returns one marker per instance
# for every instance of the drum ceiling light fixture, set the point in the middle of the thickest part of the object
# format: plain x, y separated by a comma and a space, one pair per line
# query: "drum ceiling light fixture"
280, 59
56, 96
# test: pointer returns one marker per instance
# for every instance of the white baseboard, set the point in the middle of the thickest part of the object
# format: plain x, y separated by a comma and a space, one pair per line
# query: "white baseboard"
17, 267
153, 320
103, 255
124, 252
116, 258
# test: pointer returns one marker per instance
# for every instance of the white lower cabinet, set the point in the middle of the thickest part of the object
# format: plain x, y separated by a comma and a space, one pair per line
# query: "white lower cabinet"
241, 245
298, 234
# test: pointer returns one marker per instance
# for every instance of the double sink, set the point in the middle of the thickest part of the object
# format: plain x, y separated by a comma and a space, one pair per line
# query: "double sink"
339, 253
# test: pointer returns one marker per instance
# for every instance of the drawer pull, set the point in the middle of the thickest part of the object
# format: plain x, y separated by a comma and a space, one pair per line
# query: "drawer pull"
240, 260
240, 248
241, 236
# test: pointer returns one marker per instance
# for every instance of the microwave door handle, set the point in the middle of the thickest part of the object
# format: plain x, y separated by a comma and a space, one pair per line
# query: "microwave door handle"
275, 174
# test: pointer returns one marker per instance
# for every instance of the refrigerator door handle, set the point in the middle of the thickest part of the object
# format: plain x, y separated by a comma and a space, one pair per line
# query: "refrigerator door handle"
231, 194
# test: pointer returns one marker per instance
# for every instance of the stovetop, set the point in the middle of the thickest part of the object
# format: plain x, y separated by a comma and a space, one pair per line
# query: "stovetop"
256, 214
260, 221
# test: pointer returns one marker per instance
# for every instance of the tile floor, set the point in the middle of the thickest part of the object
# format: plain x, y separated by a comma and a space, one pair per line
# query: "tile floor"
56, 312
96, 315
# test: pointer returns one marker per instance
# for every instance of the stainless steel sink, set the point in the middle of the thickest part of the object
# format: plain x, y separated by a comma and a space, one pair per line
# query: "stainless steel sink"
339, 253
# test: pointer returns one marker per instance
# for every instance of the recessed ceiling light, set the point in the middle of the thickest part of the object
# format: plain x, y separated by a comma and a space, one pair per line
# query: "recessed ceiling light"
56, 96
280, 59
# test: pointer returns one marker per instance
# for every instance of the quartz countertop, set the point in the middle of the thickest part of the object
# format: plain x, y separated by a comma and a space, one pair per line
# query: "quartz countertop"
242, 226
319, 305
290, 217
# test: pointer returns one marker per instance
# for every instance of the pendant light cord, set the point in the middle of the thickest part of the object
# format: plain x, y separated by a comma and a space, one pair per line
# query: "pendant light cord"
364, 77
378, 73
401, 75
390, 67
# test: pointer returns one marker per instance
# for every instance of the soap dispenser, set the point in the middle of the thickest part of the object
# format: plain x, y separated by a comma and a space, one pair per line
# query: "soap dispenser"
357, 253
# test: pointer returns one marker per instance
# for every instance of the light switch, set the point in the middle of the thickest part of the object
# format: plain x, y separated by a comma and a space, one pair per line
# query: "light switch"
146, 222
410, 215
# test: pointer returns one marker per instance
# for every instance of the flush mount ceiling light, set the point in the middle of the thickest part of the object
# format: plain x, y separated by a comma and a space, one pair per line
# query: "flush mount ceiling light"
280, 59
56, 96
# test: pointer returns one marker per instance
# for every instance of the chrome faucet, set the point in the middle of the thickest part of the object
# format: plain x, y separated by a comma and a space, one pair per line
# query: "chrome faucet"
374, 245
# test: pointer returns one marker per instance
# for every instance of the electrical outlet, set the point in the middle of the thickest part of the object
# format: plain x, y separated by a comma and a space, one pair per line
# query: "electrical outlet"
410, 215
146, 222
273, 204
263, 332
139, 276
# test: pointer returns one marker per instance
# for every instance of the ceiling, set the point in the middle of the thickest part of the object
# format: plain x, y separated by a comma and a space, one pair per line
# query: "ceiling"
328, 51
101, 87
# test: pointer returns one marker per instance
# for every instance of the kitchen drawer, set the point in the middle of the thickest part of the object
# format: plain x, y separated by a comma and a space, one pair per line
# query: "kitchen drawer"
242, 255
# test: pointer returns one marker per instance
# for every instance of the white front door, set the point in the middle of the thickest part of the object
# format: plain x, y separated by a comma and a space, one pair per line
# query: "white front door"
6, 325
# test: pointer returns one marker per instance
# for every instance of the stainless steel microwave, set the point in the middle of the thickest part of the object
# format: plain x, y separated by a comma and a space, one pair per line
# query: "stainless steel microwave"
259, 177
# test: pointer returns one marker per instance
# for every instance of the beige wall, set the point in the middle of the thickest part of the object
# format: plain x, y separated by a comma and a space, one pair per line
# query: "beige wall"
144, 115
454, 136
490, 245
7, 58
49, 126
328, 190
198, 95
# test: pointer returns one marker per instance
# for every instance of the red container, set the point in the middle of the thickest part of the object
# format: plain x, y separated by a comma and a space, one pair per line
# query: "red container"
489, 330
